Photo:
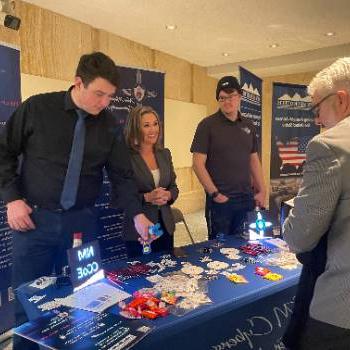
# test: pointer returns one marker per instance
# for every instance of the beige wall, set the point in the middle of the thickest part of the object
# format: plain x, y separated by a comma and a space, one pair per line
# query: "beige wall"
33, 85
181, 120
51, 45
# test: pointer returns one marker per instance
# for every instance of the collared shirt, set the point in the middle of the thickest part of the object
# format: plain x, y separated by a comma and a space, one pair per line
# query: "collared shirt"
228, 145
41, 130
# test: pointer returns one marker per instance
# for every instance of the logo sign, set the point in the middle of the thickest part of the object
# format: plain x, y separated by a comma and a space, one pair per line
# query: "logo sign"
84, 262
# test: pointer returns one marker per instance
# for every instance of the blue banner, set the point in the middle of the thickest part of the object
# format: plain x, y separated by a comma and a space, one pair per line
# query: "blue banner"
137, 87
292, 128
251, 104
10, 98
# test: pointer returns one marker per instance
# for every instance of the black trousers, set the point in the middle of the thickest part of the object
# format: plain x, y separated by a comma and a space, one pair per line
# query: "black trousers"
228, 218
42, 251
314, 263
324, 336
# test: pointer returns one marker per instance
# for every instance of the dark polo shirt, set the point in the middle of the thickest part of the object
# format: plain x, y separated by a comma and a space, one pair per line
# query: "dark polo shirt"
228, 146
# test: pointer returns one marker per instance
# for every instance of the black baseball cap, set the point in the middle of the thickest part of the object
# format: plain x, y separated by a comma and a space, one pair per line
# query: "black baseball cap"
228, 83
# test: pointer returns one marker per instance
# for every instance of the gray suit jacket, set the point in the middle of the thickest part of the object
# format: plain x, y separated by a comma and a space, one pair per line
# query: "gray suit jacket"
145, 183
323, 204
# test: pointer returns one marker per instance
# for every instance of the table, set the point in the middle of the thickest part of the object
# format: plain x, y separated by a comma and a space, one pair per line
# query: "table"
244, 316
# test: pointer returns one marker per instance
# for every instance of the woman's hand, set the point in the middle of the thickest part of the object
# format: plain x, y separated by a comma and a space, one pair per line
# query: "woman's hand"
142, 224
158, 196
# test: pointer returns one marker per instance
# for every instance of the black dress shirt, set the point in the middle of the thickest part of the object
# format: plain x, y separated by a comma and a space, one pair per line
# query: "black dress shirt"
41, 130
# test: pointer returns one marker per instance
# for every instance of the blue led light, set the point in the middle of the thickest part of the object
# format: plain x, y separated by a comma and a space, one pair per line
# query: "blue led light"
259, 226
86, 253
88, 270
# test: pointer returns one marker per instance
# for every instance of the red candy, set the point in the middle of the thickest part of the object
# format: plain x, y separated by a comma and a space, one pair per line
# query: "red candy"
261, 271
143, 305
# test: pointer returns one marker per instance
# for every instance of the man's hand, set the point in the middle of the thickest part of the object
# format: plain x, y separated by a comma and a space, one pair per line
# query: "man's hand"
158, 196
220, 198
142, 225
260, 198
18, 216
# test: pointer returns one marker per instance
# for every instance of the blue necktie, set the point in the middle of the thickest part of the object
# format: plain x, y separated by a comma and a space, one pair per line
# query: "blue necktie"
71, 182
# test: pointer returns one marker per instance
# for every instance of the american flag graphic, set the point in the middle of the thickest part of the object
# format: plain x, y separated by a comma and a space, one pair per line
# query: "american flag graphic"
293, 152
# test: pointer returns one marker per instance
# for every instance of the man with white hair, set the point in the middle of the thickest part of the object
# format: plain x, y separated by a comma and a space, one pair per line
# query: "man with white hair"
322, 207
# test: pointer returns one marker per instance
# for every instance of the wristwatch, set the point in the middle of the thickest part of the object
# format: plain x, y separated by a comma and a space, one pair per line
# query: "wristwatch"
214, 194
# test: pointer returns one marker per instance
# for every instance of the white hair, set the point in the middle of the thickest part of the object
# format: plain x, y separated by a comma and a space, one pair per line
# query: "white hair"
336, 76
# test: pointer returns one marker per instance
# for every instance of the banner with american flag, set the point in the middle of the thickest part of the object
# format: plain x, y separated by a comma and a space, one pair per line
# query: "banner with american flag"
292, 128
293, 152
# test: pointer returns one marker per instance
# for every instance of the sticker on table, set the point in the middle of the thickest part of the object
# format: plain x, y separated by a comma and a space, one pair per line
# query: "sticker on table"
217, 265
235, 278
189, 269
261, 271
273, 276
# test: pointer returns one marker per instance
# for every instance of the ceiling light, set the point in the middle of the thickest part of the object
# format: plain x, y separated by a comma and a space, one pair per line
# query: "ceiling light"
329, 34
273, 46
170, 26
225, 54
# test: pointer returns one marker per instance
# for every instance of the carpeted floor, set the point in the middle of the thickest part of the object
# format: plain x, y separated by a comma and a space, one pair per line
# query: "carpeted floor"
197, 227
5, 341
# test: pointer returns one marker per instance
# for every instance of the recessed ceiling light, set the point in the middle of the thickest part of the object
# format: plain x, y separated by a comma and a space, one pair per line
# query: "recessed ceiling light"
170, 26
273, 46
225, 54
329, 34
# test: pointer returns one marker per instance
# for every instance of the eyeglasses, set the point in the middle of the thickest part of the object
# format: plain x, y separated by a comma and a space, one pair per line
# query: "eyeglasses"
315, 110
228, 98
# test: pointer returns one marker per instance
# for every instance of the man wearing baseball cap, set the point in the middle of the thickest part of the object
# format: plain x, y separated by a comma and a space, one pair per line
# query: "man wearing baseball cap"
225, 160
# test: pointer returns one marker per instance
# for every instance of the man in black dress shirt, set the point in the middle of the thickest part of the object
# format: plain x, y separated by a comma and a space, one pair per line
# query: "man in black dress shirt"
41, 131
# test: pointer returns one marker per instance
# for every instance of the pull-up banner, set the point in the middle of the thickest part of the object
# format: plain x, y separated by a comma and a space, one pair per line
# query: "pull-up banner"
251, 104
292, 128
10, 98
137, 87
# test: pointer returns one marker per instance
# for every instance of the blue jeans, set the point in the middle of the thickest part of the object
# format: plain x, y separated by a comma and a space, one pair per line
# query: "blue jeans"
228, 217
42, 251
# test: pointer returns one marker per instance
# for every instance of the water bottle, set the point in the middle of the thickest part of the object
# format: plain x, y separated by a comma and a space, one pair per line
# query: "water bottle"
154, 232
146, 247
260, 223
77, 239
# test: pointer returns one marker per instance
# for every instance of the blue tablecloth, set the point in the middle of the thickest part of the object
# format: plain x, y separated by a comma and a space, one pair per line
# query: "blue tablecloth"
242, 316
